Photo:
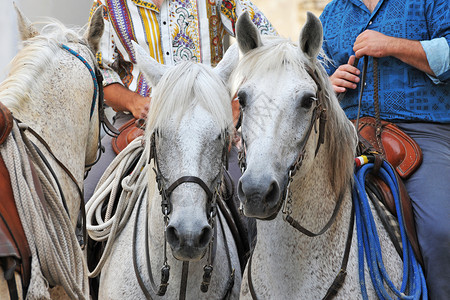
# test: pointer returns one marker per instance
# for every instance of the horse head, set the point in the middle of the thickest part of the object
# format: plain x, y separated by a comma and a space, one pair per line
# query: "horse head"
285, 98
187, 133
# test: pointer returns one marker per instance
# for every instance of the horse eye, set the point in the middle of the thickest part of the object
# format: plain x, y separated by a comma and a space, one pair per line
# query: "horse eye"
307, 101
242, 96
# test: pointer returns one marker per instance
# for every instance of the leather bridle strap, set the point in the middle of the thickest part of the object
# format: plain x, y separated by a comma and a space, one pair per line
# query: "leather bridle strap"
192, 179
340, 277
303, 230
184, 277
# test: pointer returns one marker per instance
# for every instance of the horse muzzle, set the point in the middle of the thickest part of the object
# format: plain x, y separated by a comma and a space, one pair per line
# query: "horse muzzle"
260, 197
189, 245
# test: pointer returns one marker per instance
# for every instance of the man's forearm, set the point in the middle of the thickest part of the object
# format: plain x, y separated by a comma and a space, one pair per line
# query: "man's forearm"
411, 53
122, 99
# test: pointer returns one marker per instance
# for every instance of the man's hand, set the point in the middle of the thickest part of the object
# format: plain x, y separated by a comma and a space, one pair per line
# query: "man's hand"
139, 106
345, 77
373, 43
122, 99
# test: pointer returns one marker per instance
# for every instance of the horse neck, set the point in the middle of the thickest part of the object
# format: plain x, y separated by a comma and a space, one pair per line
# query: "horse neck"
313, 202
58, 109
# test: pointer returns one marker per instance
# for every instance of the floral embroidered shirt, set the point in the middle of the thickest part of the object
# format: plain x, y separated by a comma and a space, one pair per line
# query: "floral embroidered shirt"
179, 30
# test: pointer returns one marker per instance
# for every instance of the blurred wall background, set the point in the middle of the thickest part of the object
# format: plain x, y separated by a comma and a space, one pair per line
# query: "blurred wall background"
286, 15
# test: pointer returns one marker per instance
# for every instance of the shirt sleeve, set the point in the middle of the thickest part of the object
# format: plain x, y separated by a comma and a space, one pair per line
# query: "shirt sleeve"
232, 9
438, 56
325, 57
107, 56
437, 47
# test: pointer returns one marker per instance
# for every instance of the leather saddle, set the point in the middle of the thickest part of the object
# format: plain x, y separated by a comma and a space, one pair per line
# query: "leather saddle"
128, 132
401, 151
15, 254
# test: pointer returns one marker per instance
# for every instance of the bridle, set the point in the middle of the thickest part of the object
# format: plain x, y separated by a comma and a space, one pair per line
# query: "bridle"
319, 113
166, 208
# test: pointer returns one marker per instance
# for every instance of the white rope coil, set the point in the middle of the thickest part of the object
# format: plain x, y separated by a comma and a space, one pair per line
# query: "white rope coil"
107, 228
57, 258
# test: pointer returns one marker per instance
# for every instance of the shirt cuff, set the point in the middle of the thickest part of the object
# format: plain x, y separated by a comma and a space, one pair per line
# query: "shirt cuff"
110, 77
438, 56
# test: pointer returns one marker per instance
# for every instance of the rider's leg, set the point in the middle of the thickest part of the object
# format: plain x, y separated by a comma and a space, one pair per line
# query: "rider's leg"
429, 189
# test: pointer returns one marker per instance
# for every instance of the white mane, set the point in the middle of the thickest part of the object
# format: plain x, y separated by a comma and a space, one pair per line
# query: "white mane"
31, 62
340, 135
183, 87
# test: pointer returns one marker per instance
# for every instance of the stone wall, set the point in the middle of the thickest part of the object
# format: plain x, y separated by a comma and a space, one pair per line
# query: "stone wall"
288, 16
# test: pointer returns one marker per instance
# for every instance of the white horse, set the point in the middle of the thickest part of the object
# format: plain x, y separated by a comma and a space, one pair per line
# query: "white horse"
186, 139
288, 107
51, 91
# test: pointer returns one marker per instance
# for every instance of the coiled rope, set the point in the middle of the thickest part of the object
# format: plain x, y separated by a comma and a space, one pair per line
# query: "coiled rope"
57, 258
369, 245
107, 227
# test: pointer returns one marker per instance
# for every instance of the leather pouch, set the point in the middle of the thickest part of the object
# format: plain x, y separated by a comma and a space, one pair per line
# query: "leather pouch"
128, 132
401, 151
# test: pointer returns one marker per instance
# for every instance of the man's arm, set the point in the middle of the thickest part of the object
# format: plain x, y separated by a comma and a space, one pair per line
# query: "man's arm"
375, 44
122, 99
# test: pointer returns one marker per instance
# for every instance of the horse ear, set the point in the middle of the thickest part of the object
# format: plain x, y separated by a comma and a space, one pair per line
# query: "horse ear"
95, 29
228, 63
26, 28
247, 34
311, 36
152, 70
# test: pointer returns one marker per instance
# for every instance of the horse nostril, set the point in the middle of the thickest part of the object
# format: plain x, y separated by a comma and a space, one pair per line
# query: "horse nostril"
205, 236
241, 194
272, 193
172, 236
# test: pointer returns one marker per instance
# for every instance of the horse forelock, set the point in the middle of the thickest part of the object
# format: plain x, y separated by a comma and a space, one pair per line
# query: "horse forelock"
340, 136
270, 58
182, 88
32, 60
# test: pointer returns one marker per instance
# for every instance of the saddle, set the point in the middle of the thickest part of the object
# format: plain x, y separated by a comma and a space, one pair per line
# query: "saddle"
404, 154
127, 133
401, 151
15, 254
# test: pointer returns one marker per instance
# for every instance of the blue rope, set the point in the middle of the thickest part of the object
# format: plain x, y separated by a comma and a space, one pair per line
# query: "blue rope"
369, 249
91, 70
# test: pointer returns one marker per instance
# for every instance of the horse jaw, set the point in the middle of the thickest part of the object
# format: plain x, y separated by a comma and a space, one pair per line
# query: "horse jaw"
152, 70
26, 28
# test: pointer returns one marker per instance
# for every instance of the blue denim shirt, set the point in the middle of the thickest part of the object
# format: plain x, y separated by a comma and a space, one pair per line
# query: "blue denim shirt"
405, 93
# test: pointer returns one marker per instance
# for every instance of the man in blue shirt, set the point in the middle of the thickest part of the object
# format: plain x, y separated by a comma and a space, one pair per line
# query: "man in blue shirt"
411, 39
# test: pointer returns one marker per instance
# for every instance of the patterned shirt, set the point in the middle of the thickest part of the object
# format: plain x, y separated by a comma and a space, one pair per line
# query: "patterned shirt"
179, 30
405, 93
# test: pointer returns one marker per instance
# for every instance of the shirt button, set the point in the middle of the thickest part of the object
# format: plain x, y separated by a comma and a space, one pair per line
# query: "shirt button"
370, 23
167, 53
164, 23
365, 83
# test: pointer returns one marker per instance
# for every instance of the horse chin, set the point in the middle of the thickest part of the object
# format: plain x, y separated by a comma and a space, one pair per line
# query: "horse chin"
189, 254
254, 209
